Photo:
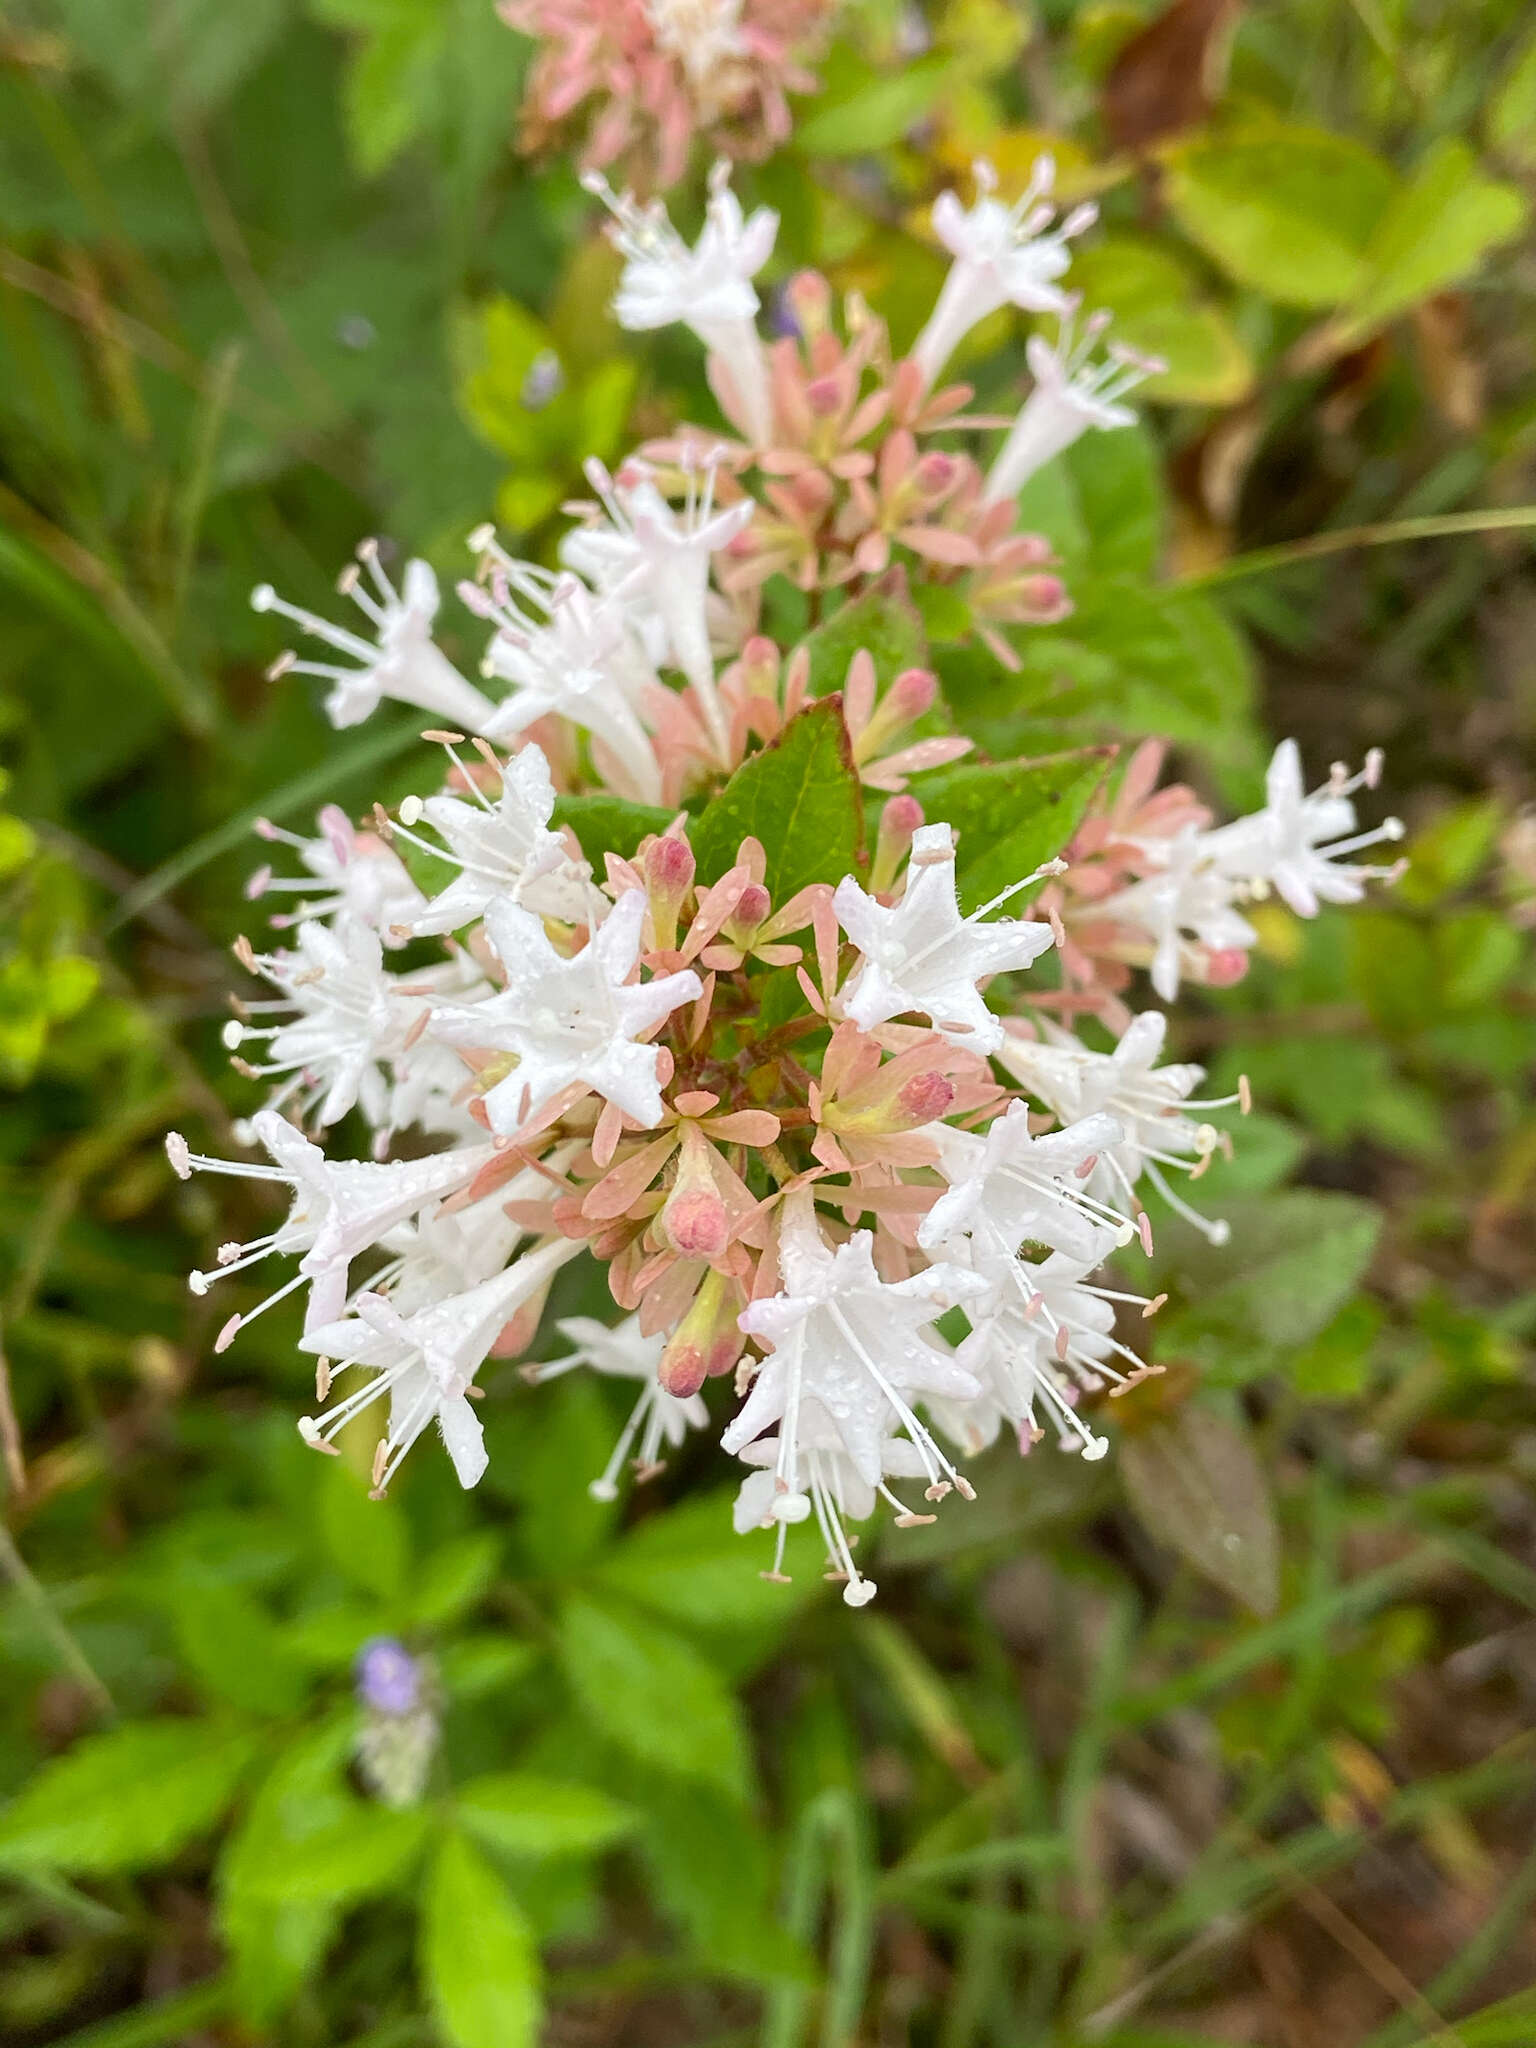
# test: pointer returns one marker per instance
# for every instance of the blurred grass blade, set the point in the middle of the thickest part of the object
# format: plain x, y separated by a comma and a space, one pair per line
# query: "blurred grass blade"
1445, 526
173, 2019
93, 610
313, 786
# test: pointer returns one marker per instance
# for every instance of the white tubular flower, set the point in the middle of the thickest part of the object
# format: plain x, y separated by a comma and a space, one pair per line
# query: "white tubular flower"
1188, 903
1047, 1339
400, 661
1008, 1189
564, 651
922, 955
354, 872
570, 1021
707, 289
1002, 257
1072, 394
1151, 1103
835, 1491
340, 1207
503, 850
350, 1019
1294, 843
657, 1417
426, 1362
661, 554
853, 1343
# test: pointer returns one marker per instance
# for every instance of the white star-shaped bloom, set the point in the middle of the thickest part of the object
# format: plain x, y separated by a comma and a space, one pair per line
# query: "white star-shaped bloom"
501, 849
340, 1208
426, 1362
1294, 843
401, 661
1074, 391
707, 288
350, 1018
1010, 1188
921, 954
570, 1020
657, 1418
854, 1343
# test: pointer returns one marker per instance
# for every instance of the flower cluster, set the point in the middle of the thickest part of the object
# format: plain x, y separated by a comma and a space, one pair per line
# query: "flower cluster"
837, 447
641, 79
818, 1114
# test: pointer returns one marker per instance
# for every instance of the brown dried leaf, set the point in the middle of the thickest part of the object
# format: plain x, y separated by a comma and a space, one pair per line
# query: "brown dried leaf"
1168, 77
1196, 1484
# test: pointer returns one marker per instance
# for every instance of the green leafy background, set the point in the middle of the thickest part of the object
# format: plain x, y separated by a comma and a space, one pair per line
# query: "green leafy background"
1226, 1739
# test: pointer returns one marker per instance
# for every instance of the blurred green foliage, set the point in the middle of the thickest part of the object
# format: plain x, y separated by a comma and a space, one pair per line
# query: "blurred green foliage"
1216, 1742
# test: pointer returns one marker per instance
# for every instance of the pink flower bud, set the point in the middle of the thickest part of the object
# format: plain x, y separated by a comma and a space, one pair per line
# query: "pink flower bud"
1225, 965
936, 472
913, 693
707, 1342
824, 396
668, 866
893, 841
695, 1224
924, 1098
810, 298
1043, 597
752, 906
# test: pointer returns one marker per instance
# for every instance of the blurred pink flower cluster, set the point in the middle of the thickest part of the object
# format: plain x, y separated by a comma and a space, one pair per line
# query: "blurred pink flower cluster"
635, 82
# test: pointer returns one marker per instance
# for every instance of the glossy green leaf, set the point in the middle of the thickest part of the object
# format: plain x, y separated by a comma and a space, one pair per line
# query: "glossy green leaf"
1159, 308
885, 625
1010, 815
609, 824
800, 798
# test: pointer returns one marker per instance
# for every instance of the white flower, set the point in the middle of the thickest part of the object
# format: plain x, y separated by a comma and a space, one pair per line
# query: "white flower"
707, 288
1187, 899
1002, 256
425, 1361
659, 554
569, 653
401, 660
1148, 1101
1072, 393
570, 1021
350, 1019
921, 954
358, 874
843, 1337
1009, 1188
501, 849
1292, 845
835, 1491
340, 1207
657, 1417
1046, 1338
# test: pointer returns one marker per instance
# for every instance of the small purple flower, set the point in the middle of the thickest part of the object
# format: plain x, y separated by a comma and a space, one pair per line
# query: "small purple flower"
388, 1678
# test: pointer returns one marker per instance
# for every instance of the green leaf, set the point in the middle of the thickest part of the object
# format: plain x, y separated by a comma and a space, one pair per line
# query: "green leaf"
1102, 505
363, 1854
1437, 229
1196, 1483
800, 797
653, 1695
1159, 308
531, 1816
1294, 1259
1511, 124
691, 1567
887, 626
1287, 211
233, 1645
454, 1577
276, 1943
479, 1966
127, 1799
367, 1539
1010, 815
393, 81
877, 113
609, 824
